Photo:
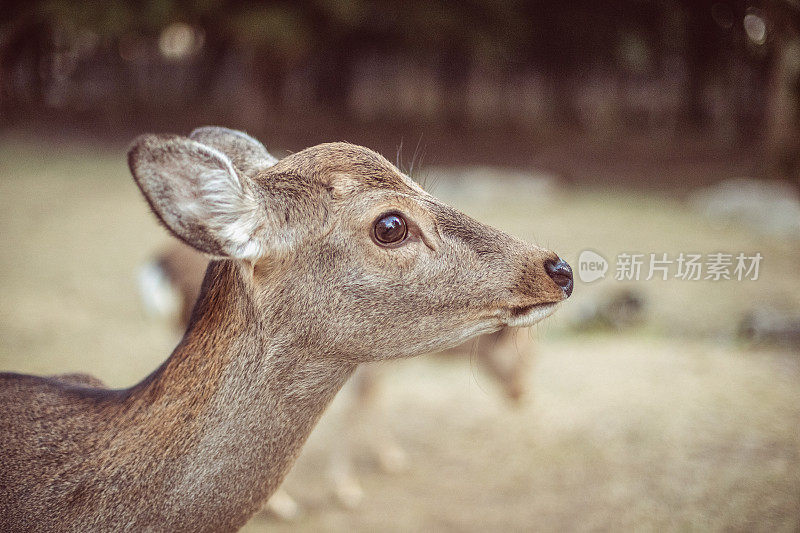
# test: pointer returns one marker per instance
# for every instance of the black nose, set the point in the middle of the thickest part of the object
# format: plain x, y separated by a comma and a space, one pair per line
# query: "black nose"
561, 273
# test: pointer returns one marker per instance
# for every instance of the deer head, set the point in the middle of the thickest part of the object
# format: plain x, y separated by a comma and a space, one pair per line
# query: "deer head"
339, 246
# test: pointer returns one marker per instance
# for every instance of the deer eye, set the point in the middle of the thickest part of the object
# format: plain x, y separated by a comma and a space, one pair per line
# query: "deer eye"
390, 228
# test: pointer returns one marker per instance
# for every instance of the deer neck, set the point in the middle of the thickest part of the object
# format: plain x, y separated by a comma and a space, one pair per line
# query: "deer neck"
240, 396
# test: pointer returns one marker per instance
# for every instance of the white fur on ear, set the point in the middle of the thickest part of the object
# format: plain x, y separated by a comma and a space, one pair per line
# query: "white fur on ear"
199, 196
230, 209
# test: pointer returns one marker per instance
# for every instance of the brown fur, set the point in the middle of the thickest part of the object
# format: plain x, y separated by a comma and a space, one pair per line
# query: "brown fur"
502, 353
300, 296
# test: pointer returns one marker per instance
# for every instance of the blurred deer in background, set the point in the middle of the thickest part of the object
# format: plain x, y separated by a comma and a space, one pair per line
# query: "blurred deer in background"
169, 285
325, 260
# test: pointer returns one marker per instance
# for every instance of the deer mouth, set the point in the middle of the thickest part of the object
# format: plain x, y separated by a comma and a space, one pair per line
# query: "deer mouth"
529, 315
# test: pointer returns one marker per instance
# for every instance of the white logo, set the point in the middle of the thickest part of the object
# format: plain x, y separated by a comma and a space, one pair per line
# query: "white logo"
591, 266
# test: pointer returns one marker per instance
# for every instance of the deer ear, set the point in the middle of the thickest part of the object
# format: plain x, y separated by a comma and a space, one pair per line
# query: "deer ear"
247, 154
199, 196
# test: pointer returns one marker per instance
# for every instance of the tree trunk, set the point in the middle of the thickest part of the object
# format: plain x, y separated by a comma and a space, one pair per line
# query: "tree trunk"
783, 111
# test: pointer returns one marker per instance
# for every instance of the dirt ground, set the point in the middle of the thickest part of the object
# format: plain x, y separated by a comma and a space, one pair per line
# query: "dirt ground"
674, 425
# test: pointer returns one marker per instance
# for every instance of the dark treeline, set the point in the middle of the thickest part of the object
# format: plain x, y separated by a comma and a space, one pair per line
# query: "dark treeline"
729, 69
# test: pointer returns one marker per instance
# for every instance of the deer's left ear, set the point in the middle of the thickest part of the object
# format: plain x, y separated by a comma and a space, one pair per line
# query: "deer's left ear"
247, 154
199, 196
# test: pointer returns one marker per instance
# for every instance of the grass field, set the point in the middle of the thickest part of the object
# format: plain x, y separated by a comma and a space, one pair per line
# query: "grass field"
672, 426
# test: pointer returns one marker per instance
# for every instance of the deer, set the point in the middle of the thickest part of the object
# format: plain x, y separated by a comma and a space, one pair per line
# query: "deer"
327, 259
168, 286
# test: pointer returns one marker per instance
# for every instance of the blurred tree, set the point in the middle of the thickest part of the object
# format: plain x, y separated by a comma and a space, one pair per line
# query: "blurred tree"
782, 27
107, 59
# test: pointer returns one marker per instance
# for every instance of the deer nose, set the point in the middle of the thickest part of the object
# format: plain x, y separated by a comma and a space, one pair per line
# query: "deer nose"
561, 273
